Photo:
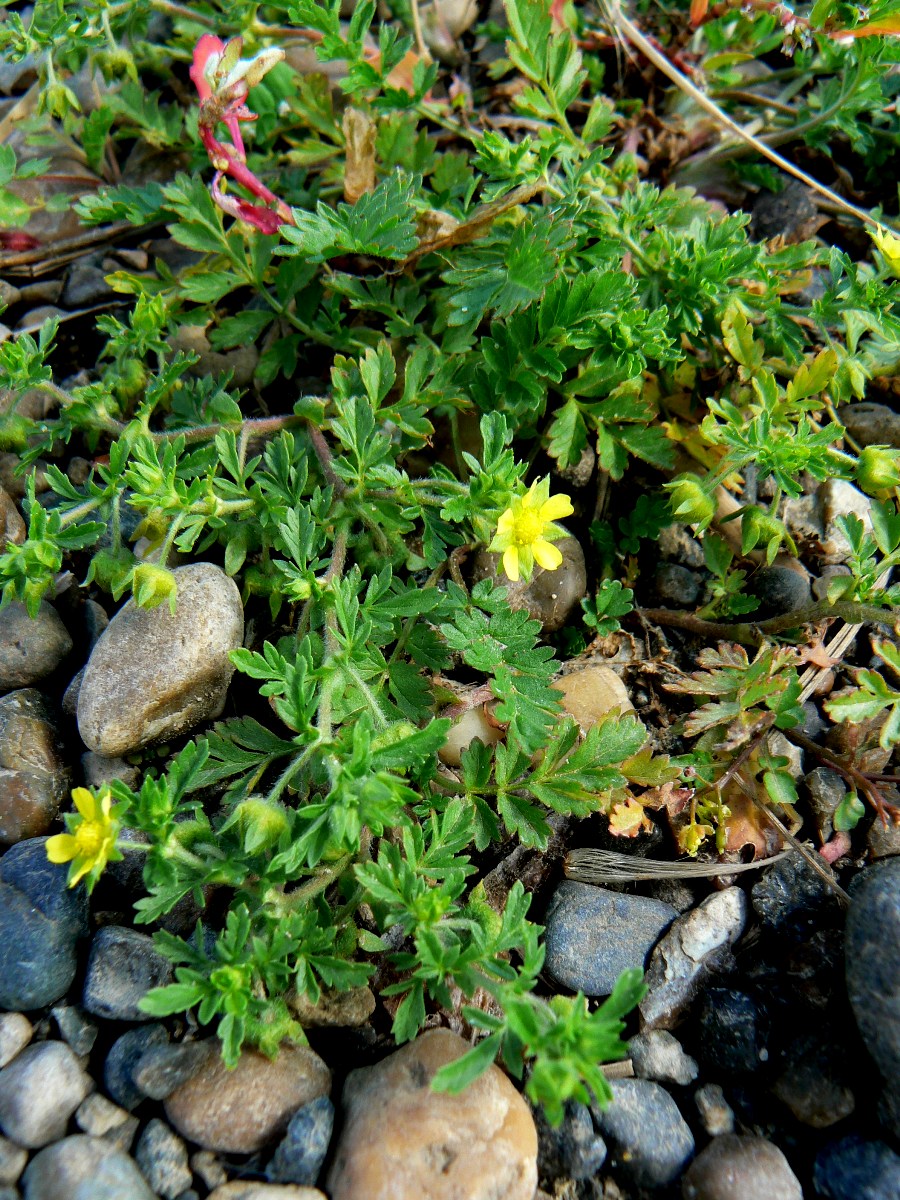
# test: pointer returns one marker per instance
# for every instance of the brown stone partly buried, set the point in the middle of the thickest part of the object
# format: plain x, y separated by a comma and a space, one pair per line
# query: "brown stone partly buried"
402, 1141
240, 1111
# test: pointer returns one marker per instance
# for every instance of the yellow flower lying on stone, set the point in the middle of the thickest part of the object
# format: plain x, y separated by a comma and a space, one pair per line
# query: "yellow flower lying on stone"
889, 245
91, 841
525, 532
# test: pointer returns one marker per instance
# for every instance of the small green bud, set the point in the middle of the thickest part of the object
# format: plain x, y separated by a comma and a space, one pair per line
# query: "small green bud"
878, 469
260, 822
111, 570
690, 501
759, 527
150, 585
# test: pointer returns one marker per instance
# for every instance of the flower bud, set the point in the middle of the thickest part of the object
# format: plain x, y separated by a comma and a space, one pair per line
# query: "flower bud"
878, 469
690, 501
889, 245
759, 527
150, 585
261, 823
111, 570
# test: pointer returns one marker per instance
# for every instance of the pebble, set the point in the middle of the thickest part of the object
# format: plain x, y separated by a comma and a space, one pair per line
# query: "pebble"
883, 840
402, 1141
838, 498
740, 1168
716, 1115
302, 1151
572, 1149
549, 596
813, 726
31, 648
695, 946
163, 1159
122, 1062
241, 1110
790, 214
792, 897
99, 1117
813, 1086
12, 526
162, 1069
589, 693
12, 1161
593, 934
100, 770
731, 1034
466, 728
657, 1054
826, 790
84, 1168
15, 1034
872, 949
828, 572
675, 544
676, 585
39, 1091
85, 283
853, 1169
122, 967
74, 1028
41, 919
34, 780
245, 1190
650, 1140
871, 424
153, 675
780, 589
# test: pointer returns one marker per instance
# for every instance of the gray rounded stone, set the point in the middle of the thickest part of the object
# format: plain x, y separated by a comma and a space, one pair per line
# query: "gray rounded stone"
31, 648
84, 1168
122, 1061
871, 424
657, 1054
34, 780
39, 1091
123, 966
592, 935
152, 674
15, 1033
163, 1159
651, 1140
162, 1069
740, 1168
40, 920
872, 952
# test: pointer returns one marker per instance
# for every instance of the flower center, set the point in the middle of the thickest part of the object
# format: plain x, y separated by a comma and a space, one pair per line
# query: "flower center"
527, 528
89, 838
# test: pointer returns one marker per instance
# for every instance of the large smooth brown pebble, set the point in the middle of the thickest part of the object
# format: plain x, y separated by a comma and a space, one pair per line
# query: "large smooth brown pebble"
548, 596
403, 1141
471, 724
154, 675
241, 1110
590, 693
34, 779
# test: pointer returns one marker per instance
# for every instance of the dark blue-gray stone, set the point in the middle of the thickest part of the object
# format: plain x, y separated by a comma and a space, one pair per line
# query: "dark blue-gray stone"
592, 935
41, 919
302, 1151
856, 1170
122, 1062
650, 1140
732, 1038
872, 953
572, 1149
793, 898
123, 966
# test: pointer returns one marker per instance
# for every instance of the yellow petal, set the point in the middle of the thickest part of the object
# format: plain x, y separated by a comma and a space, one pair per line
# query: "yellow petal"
546, 554
61, 848
505, 524
556, 507
85, 803
86, 865
511, 563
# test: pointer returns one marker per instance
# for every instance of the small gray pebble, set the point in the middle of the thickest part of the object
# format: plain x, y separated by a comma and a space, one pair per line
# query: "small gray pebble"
74, 1028
792, 897
123, 966
732, 1035
99, 1117
676, 585
302, 1151
826, 790
15, 1034
162, 1069
871, 424
592, 935
779, 590
740, 1168
122, 1060
872, 949
12, 1161
31, 648
716, 1114
163, 1159
39, 1091
658, 1055
84, 1168
572, 1149
651, 1142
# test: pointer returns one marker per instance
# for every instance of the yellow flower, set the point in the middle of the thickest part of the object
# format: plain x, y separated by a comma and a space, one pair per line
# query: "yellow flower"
526, 530
91, 841
889, 245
